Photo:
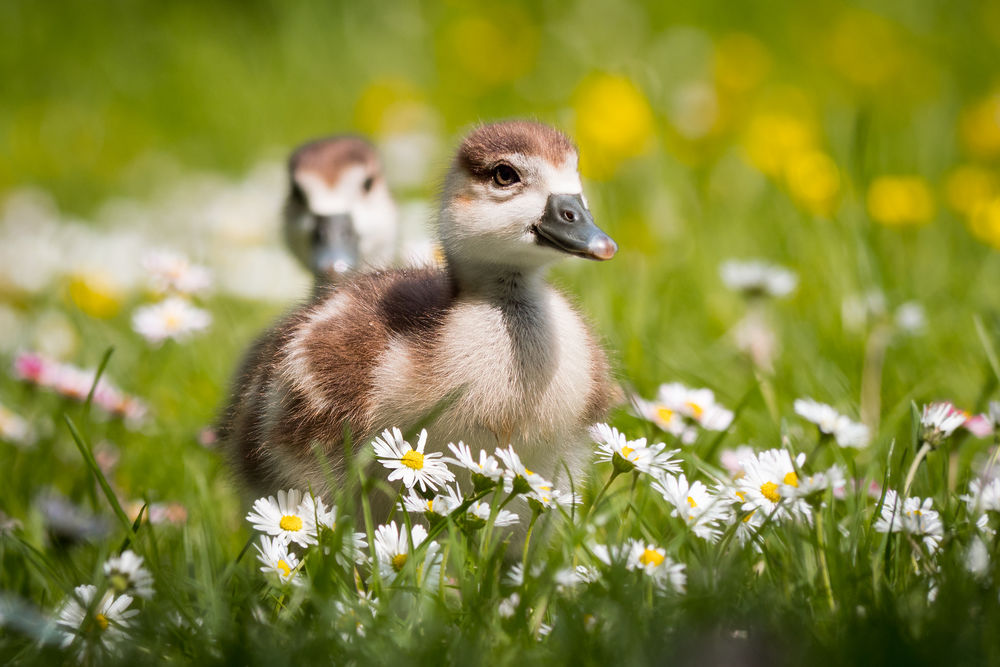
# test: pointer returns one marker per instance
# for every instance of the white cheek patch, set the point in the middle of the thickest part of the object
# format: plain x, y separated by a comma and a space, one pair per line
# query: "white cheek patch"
325, 199
562, 180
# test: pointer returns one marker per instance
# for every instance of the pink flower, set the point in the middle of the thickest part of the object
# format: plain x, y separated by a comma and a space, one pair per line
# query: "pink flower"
979, 425
34, 368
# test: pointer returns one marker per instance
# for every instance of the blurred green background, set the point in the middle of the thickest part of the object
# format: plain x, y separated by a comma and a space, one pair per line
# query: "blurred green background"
858, 144
91, 89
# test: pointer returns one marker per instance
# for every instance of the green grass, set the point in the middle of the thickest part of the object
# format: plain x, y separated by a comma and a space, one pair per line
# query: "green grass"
92, 90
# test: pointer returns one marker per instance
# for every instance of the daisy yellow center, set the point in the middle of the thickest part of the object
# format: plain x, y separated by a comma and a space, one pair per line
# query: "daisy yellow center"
742, 496
691, 502
172, 321
102, 621
665, 414
791, 479
770, 491
430, 505
626, 450
283, 567
651, 557
290, 522
917, 513
398, 561
747, 518
696, 410
413, 459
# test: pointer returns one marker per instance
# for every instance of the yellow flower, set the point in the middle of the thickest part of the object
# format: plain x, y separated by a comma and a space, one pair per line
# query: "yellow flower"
970, 186
96, 294
900, 200
613, 123
985, 222
813, 180
774, 137
384, 105
979, 127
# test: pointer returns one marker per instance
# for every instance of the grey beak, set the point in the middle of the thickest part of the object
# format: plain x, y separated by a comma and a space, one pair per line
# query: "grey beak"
335, 245
568, 226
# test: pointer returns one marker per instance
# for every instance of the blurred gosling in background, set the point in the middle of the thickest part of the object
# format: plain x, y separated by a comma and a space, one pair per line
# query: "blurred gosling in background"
339, 215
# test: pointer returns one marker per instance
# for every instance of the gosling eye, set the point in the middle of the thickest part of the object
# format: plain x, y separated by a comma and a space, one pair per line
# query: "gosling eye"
505, 175
367, 185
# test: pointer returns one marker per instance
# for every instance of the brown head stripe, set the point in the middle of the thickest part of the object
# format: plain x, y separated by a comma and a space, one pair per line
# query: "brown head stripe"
329, 156
486, 144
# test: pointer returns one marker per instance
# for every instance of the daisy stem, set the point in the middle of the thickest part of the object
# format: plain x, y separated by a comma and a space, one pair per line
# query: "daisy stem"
369, 528
631, 496
600, 494
921, 454
824, 569
871, 375
527, 539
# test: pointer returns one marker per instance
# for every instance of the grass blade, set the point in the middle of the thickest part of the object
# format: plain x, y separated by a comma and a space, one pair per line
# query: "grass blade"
88, 457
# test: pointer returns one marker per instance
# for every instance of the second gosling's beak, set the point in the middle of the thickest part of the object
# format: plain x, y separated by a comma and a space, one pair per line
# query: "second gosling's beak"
568, 226
335, 246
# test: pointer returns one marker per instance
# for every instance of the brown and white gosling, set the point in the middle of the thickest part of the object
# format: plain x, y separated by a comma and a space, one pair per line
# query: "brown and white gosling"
501, 355
339, 214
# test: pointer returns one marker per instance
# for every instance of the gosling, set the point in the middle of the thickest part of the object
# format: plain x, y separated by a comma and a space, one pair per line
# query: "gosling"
339, 214
481, 350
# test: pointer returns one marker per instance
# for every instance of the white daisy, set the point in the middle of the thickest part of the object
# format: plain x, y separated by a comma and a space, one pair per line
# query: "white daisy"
910, 317
322, 516
654, 562
845, 431
517, 477
173, 272
104, 623
769, 484
694, 504
354, 544
939, 421
916, 517
392, 549
127, 575
548, 498
277, 559
14, 429
287, 516
174, 317
508, 605
627, 455
610, 554
667, 420
983, 496
697, 405
758, 278
411, 465
481, 510
487, 466
440, 505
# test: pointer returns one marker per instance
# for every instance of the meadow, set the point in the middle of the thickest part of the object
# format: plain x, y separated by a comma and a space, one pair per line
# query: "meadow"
804, 313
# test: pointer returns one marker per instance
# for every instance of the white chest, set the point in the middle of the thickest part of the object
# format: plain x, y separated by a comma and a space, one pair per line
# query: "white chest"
522, 378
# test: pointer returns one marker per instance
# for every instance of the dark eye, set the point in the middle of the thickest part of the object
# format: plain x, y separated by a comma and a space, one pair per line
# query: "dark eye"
504, 175
369, 182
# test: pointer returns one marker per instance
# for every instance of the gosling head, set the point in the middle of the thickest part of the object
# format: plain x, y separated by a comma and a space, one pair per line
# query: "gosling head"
339, 212
513, 199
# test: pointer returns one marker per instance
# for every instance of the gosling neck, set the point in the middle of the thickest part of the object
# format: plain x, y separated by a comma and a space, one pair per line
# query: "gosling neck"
498, 283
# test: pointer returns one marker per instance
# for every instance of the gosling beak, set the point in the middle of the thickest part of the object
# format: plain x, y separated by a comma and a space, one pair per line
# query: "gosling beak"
568, 226
335, 245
